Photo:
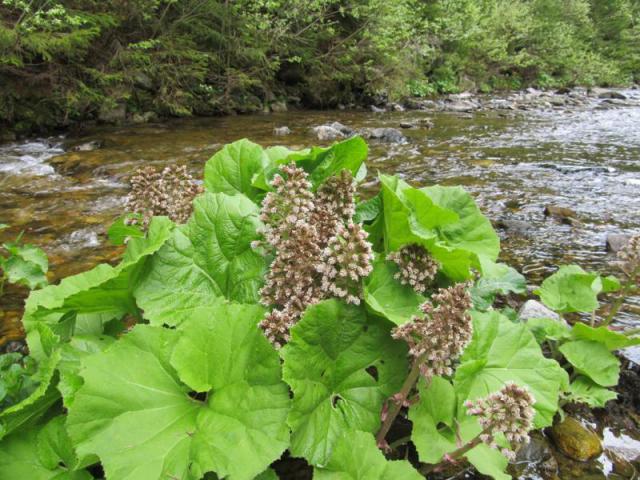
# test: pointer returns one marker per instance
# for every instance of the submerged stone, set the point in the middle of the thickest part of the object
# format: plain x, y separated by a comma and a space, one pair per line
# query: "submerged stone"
575, 440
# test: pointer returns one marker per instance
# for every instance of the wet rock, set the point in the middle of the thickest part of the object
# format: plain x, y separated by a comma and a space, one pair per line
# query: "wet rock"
278, 107
460, 106
375, 109
113, 114
575, 440
88, 146
395, 107
558, 101
617, 241
407, 125
388, 135
325, 132
516, 227
535, 460
282, 130
83, 238
346, 131
564, 214
534, 309
563, 90
612, 94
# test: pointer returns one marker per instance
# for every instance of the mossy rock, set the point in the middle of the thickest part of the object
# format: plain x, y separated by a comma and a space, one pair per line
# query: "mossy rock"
575, 440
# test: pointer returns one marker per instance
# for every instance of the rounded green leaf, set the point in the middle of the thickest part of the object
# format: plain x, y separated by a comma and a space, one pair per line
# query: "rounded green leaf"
134, 411
571, 289
208, 259
503, 351
231, 169
356, 457
387, 297
341, 366
594, 360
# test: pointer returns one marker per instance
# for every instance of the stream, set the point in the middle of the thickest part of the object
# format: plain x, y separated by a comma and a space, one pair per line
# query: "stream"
515, 162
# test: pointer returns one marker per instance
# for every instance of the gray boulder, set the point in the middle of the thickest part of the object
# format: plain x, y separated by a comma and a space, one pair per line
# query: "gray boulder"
534, 309
617, 241
88, 146
325, 132
375, 109
387, 135
346, 131
612, 94
282, 130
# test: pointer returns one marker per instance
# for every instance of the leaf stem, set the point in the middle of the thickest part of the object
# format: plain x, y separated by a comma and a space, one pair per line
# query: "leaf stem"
397, 401
456, 454
617, 305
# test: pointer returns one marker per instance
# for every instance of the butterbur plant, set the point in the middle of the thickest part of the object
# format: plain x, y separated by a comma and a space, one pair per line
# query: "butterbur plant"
436, 339
508, 412
272, 314
168, 192
318, 251
416, 267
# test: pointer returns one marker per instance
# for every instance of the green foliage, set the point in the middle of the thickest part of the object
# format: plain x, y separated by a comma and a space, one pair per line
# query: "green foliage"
63, 61
157, 367
505, 351
22, 264
341, 366
356, 457
571, 289
387, 297
16, 378
208, 259
438, 425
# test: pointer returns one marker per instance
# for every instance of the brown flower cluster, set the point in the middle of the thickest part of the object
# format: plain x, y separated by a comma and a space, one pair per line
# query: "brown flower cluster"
508, 411
318, 251
346, 260
169, 192
439, 337
629, 256
416, 267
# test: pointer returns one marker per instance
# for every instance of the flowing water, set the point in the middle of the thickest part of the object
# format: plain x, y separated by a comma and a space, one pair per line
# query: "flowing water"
514, 162
586, 159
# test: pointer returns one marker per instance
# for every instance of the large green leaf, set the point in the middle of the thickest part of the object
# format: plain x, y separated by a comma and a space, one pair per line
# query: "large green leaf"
503, 351
136, 413
231, 169
594, 360
26, 265
356, 457
571, 289
444, 220
40, 453
584, 390
341, 367
71, 354
101, 290
208, 259
612, 340
387, 297
437, 429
